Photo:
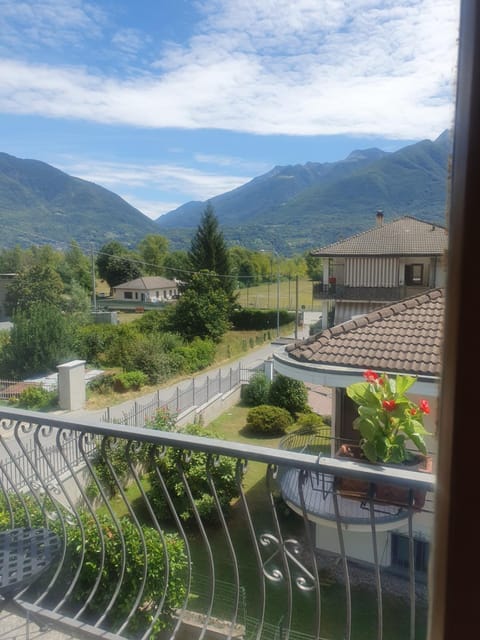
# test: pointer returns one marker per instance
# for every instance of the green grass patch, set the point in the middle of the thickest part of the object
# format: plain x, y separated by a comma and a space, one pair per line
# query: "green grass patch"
264, 296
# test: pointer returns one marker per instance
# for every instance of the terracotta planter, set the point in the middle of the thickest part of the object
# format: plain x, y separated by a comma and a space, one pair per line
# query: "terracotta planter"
383, 493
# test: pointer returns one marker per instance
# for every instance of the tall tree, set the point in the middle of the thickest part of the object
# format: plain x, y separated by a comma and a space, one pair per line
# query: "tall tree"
203, 308
37, 284
208, 251
153, 251
116, 264
39, 340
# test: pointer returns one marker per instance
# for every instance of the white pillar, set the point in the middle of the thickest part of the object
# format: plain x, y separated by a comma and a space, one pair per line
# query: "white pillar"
268, 369
71, 385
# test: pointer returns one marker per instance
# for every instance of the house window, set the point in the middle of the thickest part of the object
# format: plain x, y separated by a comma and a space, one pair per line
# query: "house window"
136, 295
413, 274
400, 552
127, 295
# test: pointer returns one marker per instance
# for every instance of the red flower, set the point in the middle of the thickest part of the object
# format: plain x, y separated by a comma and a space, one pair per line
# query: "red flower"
389, 405
424, 406
413, 411
370, 376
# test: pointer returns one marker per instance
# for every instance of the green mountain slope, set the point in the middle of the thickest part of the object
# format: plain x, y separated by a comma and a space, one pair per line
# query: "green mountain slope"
305, 206
40, 204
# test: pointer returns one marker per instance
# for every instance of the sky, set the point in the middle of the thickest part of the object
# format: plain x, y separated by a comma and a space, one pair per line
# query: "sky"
168, 101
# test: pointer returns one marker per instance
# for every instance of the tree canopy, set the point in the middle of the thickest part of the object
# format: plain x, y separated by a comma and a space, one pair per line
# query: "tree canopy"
208, 250
203, 309
116, 264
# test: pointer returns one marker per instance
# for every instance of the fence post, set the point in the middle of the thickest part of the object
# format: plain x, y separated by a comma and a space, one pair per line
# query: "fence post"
208, 388
193, 391
230, 378
135, 413
219, 381
158, 398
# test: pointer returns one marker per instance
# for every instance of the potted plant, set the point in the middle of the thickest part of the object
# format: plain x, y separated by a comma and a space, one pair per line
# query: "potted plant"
389, 423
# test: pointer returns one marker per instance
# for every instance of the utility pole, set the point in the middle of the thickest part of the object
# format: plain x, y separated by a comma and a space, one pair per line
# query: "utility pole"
94, 286
296, 307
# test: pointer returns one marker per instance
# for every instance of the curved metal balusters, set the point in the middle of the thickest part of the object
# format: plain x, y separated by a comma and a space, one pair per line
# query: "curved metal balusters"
212, 460
343, 555
303, 478
35, 482
376, 564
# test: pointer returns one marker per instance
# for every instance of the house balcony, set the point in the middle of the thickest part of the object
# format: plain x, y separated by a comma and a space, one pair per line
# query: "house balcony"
170, 535
378, 294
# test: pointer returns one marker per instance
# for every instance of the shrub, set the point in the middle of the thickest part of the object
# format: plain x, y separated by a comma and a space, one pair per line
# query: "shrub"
256, 391
148, 354
93, 341
289, 394
251, 319
222, 471
102, 384
197, 355
268, 420
94, 548
312, 423
129, 380
36, 398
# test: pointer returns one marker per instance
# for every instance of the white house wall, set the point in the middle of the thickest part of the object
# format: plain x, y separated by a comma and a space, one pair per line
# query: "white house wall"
358, 545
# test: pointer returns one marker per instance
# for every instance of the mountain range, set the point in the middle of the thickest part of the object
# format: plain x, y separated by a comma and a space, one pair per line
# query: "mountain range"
294, 208
40, 204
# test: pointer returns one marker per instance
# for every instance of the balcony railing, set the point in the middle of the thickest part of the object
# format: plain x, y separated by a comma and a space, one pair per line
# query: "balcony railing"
381, 294
172, 535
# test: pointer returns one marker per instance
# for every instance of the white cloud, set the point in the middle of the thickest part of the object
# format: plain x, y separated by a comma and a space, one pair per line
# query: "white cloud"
151, 208
25, 24
162, 178
273, 67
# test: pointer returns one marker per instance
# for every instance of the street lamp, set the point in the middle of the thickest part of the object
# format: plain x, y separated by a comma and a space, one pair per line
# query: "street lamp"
273, 250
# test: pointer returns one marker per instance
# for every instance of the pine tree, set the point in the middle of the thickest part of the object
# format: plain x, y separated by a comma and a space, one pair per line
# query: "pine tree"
208, 251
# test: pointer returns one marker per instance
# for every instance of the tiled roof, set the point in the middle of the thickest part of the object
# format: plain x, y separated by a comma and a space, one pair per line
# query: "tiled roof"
405, 236
147, 283
404, 337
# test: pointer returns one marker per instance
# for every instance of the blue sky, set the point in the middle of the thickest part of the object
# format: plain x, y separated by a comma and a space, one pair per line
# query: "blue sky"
167, 101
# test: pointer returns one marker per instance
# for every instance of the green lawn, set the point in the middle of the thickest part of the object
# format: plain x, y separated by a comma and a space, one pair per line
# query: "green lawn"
264, 296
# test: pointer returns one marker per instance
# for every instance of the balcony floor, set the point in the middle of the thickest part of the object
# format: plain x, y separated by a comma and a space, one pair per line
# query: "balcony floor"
15, 628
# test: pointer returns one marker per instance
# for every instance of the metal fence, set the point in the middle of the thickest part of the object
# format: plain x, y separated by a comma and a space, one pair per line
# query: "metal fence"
178, 554
12, 388
198, 391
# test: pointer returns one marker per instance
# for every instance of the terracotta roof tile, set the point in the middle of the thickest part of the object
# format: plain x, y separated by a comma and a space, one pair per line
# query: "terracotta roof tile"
406, 337
404, 236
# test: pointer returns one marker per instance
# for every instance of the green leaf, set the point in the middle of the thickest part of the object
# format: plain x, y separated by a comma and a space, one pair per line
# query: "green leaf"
367, 428
403, 383
370, 451
419, 442
356, 391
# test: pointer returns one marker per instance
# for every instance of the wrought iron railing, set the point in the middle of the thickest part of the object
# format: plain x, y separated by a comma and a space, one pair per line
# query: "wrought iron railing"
383, 294
164, 532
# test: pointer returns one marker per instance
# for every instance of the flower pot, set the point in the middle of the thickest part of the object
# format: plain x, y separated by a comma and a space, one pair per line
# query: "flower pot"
362, 490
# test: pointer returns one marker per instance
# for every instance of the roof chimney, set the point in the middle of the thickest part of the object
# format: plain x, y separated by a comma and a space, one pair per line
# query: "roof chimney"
379, 218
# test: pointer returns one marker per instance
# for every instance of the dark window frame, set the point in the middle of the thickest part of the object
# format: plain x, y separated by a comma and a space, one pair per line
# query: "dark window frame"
410, 278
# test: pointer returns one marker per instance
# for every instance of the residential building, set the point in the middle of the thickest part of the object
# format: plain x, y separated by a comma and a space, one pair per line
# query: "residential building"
389, 262
405, 337
147, 289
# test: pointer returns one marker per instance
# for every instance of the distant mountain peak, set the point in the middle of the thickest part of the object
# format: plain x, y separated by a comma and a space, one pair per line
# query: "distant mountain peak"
372, 153
299, 206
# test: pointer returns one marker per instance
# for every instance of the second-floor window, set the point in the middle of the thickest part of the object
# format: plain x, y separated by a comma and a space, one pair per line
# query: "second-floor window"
413, 274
